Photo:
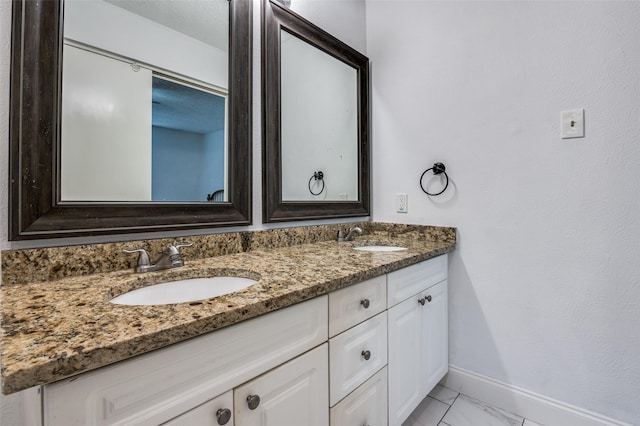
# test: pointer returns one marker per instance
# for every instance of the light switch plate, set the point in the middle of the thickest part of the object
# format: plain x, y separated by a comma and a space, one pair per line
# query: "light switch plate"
572, 123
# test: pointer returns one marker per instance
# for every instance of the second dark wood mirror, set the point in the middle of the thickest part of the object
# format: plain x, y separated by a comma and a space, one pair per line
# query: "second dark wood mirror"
315, 94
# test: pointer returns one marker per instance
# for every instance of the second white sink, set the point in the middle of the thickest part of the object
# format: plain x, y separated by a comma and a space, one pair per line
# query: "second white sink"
183, 291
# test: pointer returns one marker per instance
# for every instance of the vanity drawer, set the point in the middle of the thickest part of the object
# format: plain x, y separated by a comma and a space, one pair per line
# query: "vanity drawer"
352, 305
366, 405
348, 353
413, 279
207, 413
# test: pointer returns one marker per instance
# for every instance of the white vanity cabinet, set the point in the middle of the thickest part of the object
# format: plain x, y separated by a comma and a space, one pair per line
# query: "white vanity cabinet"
162, 385
418, 334
363, 355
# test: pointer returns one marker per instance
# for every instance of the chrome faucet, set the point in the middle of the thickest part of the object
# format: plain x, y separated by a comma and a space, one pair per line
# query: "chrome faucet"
170, 258
350, 235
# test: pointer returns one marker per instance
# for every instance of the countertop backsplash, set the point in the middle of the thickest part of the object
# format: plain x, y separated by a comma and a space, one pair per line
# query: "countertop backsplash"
53, 263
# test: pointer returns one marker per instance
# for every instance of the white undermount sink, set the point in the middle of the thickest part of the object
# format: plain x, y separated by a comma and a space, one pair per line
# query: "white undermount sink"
380, 248
183, 291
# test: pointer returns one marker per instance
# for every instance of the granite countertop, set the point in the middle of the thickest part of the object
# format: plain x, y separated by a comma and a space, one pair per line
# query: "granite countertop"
54, 329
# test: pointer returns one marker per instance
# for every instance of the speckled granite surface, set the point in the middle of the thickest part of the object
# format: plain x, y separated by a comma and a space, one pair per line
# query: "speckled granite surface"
54, 327
25, 266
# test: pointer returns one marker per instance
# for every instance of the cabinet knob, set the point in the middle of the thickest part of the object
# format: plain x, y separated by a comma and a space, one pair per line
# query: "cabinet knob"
223, 415
425, 299
365, 303
366, 355
253, 401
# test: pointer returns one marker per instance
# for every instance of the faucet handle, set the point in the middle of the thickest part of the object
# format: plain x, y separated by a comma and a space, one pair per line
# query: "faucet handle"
143, 258
174, 254
188, 244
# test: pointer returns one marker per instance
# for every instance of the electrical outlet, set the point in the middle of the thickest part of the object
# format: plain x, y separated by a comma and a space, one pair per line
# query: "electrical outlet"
401, 203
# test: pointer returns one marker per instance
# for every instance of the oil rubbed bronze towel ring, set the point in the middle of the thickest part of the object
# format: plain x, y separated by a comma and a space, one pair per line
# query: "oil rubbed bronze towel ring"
438, 168
317, 176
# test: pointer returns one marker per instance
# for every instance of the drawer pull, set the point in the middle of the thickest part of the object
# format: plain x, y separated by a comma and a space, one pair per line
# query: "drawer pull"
253, 401
366, 355
223, 415
428, 298
365, 303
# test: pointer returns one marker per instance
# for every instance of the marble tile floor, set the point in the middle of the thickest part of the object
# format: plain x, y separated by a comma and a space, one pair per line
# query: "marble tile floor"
445, 407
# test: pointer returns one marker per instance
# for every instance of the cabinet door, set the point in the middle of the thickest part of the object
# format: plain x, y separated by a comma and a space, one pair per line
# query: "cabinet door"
218, 411
405, 359
294, 394
436, 336
366, 405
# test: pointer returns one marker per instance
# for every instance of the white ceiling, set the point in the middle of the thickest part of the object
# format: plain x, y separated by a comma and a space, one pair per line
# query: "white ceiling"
204, 20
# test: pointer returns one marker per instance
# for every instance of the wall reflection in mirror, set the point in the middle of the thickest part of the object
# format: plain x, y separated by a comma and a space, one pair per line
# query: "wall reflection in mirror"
319, 107
144, 101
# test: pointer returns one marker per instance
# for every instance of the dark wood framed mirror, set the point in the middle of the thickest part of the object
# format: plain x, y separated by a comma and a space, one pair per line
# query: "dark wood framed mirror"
315, 103
36, 208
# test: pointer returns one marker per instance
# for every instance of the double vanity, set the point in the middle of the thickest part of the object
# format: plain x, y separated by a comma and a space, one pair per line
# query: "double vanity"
327, 334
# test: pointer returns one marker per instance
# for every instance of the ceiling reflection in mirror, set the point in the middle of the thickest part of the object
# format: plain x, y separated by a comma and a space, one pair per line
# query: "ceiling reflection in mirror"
144, 101
319, 125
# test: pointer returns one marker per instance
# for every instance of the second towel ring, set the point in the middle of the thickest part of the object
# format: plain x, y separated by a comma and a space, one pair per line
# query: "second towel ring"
438, 168
317, 176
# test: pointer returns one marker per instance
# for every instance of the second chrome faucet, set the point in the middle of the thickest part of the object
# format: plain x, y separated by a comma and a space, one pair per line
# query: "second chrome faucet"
170, 258
350, 235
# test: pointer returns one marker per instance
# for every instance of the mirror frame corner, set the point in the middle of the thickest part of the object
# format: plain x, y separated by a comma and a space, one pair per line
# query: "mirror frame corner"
35, 211
275, 18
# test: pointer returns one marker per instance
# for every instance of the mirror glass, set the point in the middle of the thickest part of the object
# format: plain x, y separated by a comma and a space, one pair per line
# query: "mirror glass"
144, 101
319, 123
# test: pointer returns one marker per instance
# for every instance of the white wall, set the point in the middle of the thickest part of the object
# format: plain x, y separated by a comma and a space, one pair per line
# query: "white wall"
345, 20
545, 281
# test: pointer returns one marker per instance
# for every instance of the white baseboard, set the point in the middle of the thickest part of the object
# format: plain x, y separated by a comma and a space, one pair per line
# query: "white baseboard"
532, 406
